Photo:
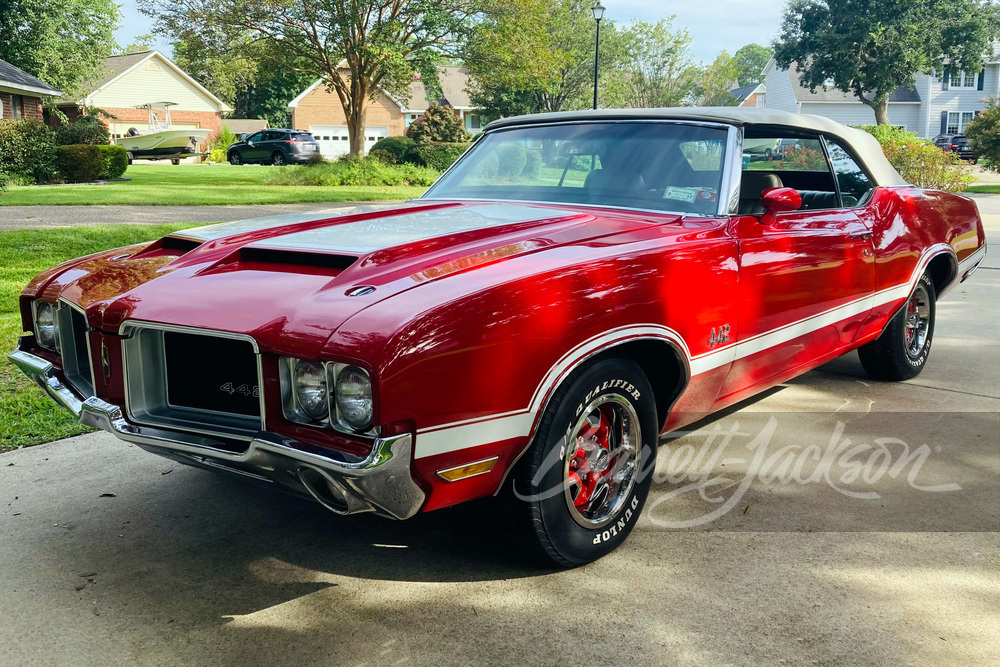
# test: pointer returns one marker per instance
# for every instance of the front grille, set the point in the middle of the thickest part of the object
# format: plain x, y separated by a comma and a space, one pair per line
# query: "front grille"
74, 349
194, 380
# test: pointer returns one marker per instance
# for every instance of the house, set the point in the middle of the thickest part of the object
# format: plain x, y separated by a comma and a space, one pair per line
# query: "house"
21, 95
135, 79
318, 110
750, 96
934, 105
240, 126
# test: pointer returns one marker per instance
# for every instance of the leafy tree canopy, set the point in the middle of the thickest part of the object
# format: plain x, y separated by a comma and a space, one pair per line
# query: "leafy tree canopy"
62, 42
750, 61
984, 134
717, 82
139, 43
872, 47
654, 68
381, 43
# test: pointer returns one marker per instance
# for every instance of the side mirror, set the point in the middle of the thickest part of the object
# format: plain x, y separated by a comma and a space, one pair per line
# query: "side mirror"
779, 200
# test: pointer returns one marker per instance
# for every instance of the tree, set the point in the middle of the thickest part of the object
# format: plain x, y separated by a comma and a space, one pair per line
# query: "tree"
873, 47
654, 69
750, 62
139, 43
62, 42
984, 134
718, 81
357, 47
530, 56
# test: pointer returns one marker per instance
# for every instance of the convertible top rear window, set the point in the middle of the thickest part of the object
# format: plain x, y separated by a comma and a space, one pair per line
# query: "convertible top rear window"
659, 166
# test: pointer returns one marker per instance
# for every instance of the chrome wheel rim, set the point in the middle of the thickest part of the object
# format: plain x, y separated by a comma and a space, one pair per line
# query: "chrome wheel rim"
918, 322
601, 460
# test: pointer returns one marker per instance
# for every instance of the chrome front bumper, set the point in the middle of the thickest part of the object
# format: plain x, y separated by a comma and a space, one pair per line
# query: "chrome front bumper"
380, 482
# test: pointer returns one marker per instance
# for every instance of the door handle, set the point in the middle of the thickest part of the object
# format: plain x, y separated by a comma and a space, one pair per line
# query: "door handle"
861, 234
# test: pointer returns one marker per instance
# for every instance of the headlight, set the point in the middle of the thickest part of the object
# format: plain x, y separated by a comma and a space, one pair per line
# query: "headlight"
46, 329
309, 385
354, 398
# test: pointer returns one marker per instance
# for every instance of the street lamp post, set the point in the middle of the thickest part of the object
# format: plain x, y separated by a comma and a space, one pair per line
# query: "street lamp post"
598, 12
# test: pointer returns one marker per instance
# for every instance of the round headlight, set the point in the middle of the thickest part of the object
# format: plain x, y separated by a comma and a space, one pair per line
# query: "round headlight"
311, 390
45, 324
354, 397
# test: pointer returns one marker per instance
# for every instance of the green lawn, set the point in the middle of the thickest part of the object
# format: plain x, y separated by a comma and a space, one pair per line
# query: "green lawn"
993, 189
27, 416
198, 185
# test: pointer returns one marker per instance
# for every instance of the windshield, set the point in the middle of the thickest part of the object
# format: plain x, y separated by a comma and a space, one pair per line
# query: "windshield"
660, 166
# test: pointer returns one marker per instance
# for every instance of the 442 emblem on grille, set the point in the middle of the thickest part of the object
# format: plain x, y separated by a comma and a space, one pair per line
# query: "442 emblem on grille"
244, 389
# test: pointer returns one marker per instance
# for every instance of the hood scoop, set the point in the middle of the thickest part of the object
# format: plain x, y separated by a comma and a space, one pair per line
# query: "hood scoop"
168, 246
250, 258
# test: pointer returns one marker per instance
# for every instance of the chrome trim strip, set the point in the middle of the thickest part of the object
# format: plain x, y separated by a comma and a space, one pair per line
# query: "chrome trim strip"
44, 375
380, 482
729, 191
575, 205
969, 265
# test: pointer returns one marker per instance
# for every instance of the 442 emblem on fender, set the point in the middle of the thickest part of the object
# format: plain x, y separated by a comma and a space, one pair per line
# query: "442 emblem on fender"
719, 337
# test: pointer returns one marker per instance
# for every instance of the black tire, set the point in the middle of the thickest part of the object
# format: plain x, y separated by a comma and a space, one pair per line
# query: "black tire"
540, 506
278, 159
175, 162
235, 158
767, 153
901, 352
129, 156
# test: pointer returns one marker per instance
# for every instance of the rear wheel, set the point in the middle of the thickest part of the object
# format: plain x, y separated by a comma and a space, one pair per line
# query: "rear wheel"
278, 159
901, 352
579, 490
130, 156
175, 161
235, 158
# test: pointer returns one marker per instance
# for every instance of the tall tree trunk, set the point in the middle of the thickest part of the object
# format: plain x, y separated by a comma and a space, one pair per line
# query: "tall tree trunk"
356, 126
881, 108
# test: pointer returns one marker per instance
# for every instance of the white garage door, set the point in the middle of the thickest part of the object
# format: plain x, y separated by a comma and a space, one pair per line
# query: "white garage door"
334, 142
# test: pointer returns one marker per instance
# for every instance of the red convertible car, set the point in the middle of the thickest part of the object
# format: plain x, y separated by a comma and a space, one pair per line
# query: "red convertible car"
576, 285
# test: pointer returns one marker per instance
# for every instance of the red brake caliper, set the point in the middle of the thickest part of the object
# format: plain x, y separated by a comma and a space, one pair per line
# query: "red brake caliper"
593, 443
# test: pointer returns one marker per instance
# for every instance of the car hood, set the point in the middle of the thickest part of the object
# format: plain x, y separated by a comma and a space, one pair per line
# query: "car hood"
290, 281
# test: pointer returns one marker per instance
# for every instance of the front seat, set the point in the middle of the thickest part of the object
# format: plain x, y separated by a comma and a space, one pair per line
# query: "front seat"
752, 186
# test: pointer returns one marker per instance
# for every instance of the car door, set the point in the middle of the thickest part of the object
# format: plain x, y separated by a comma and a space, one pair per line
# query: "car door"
807, 278
254, 149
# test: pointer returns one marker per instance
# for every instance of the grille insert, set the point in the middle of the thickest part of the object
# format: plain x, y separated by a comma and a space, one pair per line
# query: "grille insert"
74, 349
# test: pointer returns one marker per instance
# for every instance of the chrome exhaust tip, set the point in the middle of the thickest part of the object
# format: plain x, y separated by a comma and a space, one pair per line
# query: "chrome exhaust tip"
326, 491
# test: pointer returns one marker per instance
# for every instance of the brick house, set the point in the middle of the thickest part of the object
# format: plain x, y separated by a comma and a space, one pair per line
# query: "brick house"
140, 78
754, 95
318, 110
21, 95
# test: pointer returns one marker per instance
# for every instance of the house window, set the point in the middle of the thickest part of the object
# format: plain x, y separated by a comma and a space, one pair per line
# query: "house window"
16, 106
760, 100
957, 120
475, 122
965, 80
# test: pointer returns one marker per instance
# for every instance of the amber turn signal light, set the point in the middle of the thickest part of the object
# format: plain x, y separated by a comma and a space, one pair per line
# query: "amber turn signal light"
468, 470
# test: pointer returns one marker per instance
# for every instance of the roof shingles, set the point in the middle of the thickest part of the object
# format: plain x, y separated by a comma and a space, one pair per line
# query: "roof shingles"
16, 78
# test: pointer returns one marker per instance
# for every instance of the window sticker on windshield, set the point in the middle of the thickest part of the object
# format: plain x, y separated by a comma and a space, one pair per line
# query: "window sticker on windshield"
681, 194
707, 194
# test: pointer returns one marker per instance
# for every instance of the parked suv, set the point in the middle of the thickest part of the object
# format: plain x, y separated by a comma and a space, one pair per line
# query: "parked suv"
275, 146
956, 143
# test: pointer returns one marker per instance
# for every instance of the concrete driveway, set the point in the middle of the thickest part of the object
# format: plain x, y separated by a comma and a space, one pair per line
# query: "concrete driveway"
181, 566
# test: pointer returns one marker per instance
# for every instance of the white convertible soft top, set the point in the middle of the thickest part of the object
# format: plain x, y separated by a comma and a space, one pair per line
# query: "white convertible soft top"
864, 145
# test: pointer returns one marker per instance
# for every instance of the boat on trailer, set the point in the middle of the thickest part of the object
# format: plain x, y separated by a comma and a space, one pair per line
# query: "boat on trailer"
161, 141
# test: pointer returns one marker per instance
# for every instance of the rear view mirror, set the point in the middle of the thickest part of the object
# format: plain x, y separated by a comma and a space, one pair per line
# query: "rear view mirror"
779, 200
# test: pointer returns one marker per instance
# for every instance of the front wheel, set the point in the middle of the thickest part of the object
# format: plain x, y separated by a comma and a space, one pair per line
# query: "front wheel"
579, 490
278, 159
901, 352
235, 158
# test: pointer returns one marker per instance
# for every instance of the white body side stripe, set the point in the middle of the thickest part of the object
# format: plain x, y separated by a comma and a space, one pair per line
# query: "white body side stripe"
460, 435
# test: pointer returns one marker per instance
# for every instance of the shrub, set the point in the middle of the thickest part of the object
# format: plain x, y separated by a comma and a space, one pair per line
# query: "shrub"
80, 163
383, 156
438, 124
488, 167
3, 181
399, 147
920, 162
437, 155
27, 148
984, 134
315, 159
86, 130
511, 159
355, 172
219, 147
114, 161
532, 164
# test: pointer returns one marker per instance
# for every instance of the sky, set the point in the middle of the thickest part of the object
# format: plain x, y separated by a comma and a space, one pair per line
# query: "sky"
714, 24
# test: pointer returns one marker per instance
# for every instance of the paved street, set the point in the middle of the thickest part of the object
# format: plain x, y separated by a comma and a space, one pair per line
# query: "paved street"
34, 217
184, 567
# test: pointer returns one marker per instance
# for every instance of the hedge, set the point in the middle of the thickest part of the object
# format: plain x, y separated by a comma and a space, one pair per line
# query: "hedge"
87, 130
437, 155
919, 161
511, 160
79, 163
115, 161
27, 149
353, 172
398, 147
